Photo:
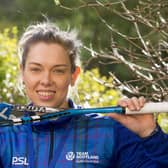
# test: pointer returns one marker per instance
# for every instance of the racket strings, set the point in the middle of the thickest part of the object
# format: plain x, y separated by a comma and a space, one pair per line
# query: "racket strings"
46, 114
28, 108
29, 119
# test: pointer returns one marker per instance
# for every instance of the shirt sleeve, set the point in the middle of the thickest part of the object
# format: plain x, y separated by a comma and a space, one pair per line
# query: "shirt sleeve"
131, 151
156, 147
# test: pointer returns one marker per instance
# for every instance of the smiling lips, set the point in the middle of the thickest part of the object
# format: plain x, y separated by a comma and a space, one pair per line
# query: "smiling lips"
46, 95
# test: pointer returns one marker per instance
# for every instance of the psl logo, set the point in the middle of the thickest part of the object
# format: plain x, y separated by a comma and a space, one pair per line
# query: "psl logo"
19, 161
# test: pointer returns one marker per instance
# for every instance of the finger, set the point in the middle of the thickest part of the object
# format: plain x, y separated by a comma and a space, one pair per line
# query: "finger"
142, 101
123, 102
136, 103
126, 102
132, 103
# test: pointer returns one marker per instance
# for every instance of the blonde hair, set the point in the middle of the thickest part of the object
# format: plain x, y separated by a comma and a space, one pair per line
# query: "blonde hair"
49, 33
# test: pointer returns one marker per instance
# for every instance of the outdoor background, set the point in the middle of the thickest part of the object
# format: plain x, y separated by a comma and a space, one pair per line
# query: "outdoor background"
124, 51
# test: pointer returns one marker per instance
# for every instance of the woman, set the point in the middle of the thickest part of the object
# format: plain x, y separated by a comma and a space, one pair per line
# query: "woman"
49, 69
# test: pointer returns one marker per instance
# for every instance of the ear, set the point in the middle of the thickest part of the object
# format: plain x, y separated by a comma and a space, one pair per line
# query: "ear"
75, 75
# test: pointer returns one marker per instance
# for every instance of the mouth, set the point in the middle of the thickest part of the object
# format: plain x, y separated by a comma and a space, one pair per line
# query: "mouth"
46, 95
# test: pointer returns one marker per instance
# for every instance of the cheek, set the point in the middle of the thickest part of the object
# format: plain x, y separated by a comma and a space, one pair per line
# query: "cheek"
29, 81
64, 83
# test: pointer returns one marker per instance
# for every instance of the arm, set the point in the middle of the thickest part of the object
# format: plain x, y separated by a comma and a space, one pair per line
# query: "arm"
129, 150
153, 144
142, 125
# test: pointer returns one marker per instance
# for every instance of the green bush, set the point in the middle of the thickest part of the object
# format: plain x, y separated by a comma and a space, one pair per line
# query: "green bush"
94, 89
9, 67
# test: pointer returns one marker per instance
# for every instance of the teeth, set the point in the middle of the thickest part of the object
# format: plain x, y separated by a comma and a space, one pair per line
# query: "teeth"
45, 93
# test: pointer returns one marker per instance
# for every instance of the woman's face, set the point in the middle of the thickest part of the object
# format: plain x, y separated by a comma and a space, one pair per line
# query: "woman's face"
47, 75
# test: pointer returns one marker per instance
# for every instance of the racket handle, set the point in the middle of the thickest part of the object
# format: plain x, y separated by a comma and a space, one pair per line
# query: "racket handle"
151, 107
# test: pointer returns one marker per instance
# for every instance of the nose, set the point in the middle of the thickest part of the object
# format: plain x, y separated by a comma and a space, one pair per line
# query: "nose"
46, 79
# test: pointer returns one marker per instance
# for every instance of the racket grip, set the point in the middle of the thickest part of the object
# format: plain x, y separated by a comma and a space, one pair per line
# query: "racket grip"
151, 107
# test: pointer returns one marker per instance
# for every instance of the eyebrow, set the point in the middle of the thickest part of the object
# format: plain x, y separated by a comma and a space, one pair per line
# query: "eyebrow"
58, 65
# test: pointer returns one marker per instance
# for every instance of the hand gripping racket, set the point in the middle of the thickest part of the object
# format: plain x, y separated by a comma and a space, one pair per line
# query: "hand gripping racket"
8, 119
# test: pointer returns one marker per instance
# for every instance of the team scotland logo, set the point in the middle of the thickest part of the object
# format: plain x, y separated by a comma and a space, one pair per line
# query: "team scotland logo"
70, 156
82, 157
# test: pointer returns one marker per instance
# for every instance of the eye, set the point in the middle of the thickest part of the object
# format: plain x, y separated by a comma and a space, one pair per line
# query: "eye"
59, 71
35, 69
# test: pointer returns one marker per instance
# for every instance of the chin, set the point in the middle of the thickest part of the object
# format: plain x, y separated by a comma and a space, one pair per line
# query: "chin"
45, 104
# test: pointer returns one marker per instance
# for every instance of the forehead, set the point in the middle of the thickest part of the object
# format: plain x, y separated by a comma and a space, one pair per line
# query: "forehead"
48, 53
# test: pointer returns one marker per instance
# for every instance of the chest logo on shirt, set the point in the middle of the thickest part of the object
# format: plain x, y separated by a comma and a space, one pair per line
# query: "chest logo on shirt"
70, 156
82, 157
19, 161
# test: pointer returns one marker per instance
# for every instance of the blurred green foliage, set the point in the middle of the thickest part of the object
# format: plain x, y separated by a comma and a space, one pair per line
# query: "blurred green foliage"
94, 91
9, 66
163, 122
